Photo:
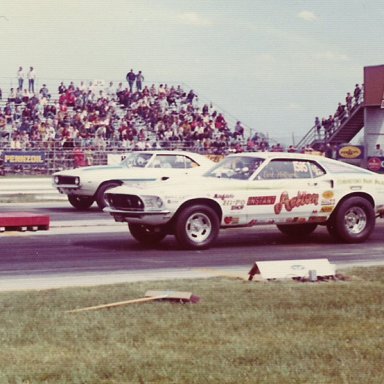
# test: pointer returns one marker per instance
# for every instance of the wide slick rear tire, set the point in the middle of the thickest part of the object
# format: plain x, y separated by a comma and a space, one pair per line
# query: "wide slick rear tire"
353, 221
197, 227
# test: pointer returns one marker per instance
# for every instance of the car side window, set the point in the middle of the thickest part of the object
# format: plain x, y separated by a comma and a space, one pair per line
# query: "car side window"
164, 161
189, 163
173, 161
316, 170
277, 169
286, 169
301, 169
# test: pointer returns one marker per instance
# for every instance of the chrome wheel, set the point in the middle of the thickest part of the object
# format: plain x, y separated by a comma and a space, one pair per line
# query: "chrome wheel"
198, 227
355, 220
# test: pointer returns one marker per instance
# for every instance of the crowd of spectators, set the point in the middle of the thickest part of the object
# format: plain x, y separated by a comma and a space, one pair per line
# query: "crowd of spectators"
126, 116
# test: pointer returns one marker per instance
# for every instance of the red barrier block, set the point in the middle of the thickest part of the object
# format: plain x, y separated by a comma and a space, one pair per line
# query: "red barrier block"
22, 221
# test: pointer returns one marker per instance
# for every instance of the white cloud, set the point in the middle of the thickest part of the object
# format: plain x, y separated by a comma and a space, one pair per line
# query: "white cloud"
193, 18
331, 56
307, 16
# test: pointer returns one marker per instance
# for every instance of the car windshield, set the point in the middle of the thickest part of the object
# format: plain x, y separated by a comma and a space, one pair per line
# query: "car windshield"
136, 159
236, 167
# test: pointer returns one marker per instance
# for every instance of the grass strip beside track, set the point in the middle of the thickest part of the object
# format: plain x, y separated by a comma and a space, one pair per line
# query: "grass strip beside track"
239, 332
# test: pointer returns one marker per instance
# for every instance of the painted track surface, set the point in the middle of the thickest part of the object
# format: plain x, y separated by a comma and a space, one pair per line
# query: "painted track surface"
87, 248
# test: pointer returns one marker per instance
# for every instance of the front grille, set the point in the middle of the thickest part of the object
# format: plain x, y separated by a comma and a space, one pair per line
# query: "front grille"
125, 202
66, 180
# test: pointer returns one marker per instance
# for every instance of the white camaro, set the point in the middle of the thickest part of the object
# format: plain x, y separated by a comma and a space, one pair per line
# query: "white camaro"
293, 191
86, 185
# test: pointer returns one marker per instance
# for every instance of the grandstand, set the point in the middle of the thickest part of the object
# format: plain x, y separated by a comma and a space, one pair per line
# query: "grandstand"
67, 117
100, 117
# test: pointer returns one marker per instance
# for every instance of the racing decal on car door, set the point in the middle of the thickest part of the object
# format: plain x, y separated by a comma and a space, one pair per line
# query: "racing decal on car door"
261, 200
301, 199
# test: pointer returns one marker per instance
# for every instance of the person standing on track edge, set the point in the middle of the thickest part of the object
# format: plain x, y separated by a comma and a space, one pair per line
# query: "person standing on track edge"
131, 79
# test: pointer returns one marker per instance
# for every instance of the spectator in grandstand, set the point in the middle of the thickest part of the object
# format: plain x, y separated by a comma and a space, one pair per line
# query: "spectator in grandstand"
318, 127
44, 92
79, 158
239, 131
62, 88
20, 77
328, 125
31, 79
3, 123
131, 77
12, 95
190, 97
378, 151
139, 81
340, 114
329, 151
25, 96
357, 93
348, 102
110, 91
277, 148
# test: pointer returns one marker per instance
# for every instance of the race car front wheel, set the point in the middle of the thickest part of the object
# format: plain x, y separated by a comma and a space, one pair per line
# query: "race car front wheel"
100, 198
353, 221
197, 227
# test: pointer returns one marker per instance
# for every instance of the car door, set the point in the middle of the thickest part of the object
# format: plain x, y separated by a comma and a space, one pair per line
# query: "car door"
285, 190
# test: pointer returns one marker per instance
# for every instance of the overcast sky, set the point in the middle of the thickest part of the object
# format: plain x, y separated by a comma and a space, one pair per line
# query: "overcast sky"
273, 64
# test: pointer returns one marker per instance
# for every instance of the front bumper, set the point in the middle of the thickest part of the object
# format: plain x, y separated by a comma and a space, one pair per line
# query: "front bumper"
140, 217
76, 190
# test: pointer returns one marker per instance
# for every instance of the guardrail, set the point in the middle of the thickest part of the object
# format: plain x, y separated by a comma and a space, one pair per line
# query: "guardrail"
38, 187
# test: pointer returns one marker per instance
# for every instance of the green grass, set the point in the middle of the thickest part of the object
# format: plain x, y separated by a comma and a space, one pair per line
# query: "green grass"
239, 332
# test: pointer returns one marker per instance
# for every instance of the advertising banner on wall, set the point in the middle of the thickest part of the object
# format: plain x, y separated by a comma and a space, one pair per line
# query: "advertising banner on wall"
18, 158
350, 152
375, 164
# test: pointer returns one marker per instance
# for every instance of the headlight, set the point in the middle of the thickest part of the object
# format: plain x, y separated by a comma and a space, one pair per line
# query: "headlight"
77, 180
152, 202
56, 179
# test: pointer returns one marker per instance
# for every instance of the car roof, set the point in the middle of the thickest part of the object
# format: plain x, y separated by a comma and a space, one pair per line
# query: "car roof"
279, 155
167, 152
304, 156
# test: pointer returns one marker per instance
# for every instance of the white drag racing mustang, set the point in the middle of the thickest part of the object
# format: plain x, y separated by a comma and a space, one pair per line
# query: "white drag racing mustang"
293, 191
86, 185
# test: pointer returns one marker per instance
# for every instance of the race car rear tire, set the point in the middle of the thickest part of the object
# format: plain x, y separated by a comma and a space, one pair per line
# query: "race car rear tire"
100, 199
353, 221
297, 230
146, 234
197, 227
80, 202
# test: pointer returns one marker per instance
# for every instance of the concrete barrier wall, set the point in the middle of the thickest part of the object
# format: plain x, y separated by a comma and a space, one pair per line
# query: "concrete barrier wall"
33, 186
